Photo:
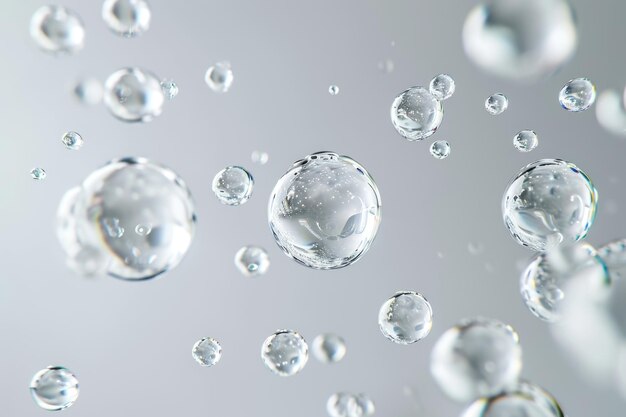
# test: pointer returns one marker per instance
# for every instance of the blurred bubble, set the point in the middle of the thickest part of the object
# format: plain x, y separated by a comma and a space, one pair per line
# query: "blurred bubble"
207, 351
496, 104
133, 95
386, 66
440, 149
54, 388
260, 157
285, 353
525, 141
475, 248
416, 113
343, 404
233, 185
328, 348
442, 87
405, 318
252, 260
72, 140
89, 91
219, 77
128, 18
610, 112
170, 89
577, 95
57, 29
333, 90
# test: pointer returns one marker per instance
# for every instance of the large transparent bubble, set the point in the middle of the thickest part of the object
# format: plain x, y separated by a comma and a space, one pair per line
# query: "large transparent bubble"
133, 95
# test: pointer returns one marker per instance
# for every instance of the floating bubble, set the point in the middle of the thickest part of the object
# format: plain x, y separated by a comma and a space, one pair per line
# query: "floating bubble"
260, 157
496, 104
170, 89
549, 203
476, 358
577, 95
207, 351
57, 29
38, 174
54, 388
416, 113
285, 352
127, 195
89, 91
233, 185
133, 95
405, 318
252, 260
440, 149
442, 87
520, 39
325, 211
343, 404
72, 140
525, 141
219, 77
127, 18
475, 248
328, 348
610, 112
333, 90
386, 66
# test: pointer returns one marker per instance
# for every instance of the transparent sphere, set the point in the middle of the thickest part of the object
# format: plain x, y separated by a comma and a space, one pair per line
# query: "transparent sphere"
219, 77
416, 113
405, 318
38, 174
259, 157
134, 217
525, 141
496, 104
549, 203
442, 87
252, 260
128, 18
325, 211
133, 95
333, 90
343, 404
328, 348
54, 388
57, 29
610, 112
440, 149
476, 358
285, 352
72, 141
170, 89
577, 95
233, 185
207, 351
516, 39
524, 400
89, 91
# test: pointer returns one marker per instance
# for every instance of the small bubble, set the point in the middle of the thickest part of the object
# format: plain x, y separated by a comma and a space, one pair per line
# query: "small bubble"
252, 260
343, 404
440, 149
207, 351
170, 89
386, 66
133, 95
89, 91
328, 348
260, 157
525, 141
496, 104
72, 140
285, 353
416, 114
54, 388
57, 29
127, 18
219, 77
333, 90
405, 318
143, 229
442, 87
233, 185
38, 174
577, 95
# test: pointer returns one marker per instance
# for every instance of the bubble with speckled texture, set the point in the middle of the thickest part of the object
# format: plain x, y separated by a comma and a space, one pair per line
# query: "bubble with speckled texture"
127, 18
416, 113
38, 174
440, 149
57, 30
207, 351
548, 203
343, 404
133, 95
328, 348
233, 185
285, 353
54, 388
577, 95
496, 104
325, 211
219, 77
442, 87
170, 89
252, 260
405, 318
72, 140
525, 141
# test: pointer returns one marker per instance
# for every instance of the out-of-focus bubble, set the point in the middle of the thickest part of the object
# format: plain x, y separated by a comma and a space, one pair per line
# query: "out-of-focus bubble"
328, 348
343, 404
416, 113
442, 87
496, 104
386, 66
260, 157
219, 77
476, 358
440, 149
475, 248
549, 203
252, 260
405, 318
207, 351
325, 211
57, 29
133, 95
38, 174
127, 18
233, 185
333, 90
89, 91
577, 95
610, 112
72, 140
285, 352
54, 388
170, 89
521, 40
525, 141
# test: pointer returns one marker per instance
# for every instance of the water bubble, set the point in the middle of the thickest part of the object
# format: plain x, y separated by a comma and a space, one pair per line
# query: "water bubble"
496, 104
89, 91
610, 112
207, 351
57, 29
520, 39
405, 318
343, 404
416, 113
128, 18
252, 260
72, 140
260, 157
525, 141
233, 185
549, 202
285, 352
440, 149
442, 87
112, 202
386, 66
133, 95
219, 77
325, 211
476, 358
333, 90
577, 95
170, 89
54, 388
328, 348
38, 174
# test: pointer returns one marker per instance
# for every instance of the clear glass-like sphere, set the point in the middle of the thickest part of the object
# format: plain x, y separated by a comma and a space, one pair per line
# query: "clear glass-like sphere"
577, 95
416, 113
57, 29
525, 141
328, 348
252, 260
128, 18
440, 149
233, 185
72, 140
133, 95
496, 104
405, 318
442, 87
54, 388
207, 351
285, 352
219, 77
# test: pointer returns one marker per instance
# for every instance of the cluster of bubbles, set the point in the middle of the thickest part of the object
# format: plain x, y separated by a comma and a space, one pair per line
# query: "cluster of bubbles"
344, 404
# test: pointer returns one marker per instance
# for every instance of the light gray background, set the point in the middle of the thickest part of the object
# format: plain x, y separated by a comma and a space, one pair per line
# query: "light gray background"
130, 343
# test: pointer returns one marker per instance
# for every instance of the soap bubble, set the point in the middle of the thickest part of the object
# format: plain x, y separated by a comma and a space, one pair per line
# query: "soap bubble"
72, 140
333, 90
54, 388
328, 348
57, 29
549, 203
128, 18
38, 174
610, 112
325, 211
170, 89
442, 87
577, 95
133, 95
496, 104
405, 318
260, 157
440, 149
343, 404
219, 77
416, 113
207, 351
252, 260
525, 141
520, 40
476, 358
233, 185
285, 352
89, 91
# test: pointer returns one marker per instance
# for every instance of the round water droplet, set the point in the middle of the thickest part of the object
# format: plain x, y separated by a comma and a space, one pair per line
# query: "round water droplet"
520, 39
525, 141
57, 29
496, 104
333, 90
207, 351
219, 77
328, 348
440, 149
405, 318
343, 404
89, 91
110, 205
577, 95
325, 211
285, 352
442, 87
252, 260
72, 140
550, 202
38, 174
170, 89
416, 113
133, 95
233, 185
54, 388
476, 358
128, 18
260, 157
